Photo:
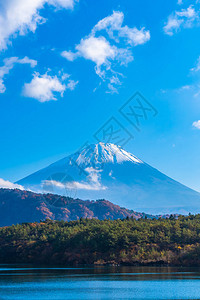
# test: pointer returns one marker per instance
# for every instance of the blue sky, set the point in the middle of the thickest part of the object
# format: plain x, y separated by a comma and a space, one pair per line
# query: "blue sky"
68, 66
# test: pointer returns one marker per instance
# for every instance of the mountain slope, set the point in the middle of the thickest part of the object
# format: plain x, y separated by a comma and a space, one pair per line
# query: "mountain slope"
106, 171
18, 206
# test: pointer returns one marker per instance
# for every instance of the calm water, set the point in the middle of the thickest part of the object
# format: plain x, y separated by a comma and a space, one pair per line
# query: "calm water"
25, 282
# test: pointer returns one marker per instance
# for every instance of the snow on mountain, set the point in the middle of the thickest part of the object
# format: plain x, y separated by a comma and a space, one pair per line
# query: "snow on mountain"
106, 171
104, 153
98, 154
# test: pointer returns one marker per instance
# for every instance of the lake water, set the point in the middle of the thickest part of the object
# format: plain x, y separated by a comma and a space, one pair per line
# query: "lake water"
25, 282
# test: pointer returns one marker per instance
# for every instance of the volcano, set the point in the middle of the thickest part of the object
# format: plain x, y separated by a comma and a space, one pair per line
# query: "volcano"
106, 171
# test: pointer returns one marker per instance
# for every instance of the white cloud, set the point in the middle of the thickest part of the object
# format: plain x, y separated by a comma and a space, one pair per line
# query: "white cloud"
196, 124
185, 18
9, 185
9, 64
134, 36
188, 13
113, 25
73, 185
93, 182
68, 4
184, 88
69, 55
192, 90
197, 67
17, 17
172, 25
84, 186
97, 50
43, 87
103, 47
110, 24
94, 176
71, 85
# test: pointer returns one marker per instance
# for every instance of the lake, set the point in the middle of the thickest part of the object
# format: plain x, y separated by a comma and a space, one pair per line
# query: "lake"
25, 282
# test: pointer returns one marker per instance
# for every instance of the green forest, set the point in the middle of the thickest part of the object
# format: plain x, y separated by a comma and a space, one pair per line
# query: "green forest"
172, 241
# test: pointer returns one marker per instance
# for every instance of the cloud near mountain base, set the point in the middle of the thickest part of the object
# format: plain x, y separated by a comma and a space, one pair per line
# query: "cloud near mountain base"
5, 184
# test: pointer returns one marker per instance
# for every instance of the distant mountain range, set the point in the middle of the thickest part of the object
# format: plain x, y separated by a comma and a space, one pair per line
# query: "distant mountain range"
17, 206
106, 171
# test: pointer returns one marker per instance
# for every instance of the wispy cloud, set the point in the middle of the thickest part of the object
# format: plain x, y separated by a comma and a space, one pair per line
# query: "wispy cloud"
71, 85
69, 55
17, 17
184, 18
196, 124
193, 88
73, 185
45, 87
103, 47
196, 68
114, 27
9, 64
9, 185
92, 182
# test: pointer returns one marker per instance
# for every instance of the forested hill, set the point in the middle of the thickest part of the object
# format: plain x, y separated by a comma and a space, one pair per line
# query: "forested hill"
144, 241
18, 206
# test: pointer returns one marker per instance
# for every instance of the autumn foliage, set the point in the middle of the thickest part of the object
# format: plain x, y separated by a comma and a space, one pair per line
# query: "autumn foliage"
173, 241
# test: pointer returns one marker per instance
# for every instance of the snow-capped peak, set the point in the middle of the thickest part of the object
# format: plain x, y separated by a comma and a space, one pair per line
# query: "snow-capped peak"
104, 153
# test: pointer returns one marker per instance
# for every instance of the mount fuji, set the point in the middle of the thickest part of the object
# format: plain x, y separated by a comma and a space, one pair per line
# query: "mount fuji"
106, 171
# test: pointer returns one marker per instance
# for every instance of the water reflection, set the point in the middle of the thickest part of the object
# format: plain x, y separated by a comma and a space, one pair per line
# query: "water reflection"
28, 282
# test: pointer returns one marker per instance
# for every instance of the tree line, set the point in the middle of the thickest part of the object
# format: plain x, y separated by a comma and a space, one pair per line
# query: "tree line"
172, 241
